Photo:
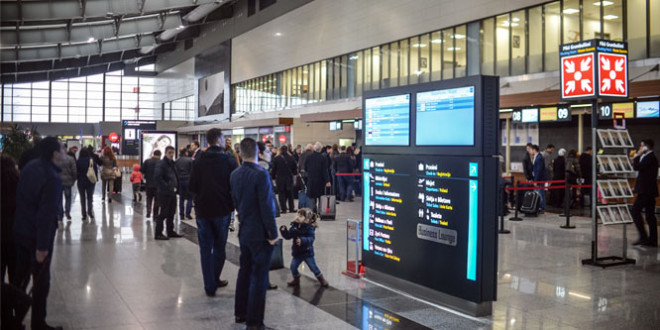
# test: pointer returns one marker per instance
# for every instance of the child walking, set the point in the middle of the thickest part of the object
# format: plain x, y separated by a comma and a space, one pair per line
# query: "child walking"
302, 233
136, 180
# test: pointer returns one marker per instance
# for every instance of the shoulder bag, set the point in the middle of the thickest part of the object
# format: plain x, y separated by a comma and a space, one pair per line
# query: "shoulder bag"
91, 176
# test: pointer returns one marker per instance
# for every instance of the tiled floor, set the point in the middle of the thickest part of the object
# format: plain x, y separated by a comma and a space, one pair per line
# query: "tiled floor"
111, 274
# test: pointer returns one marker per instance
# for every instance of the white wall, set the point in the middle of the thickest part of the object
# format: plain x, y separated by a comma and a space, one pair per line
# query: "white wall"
326, 28
176, 82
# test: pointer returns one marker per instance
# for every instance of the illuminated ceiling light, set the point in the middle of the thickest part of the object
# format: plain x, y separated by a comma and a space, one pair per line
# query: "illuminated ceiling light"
610, 17
453, 48
506, 110
571, 11
604, 3
305, 72
419, 73
459, 36
353, 57
436, 41
91, 39
507, 23
277, 34
419, 45
516, 19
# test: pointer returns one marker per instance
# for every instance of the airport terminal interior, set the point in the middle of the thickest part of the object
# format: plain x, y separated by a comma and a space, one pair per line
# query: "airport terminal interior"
502, 159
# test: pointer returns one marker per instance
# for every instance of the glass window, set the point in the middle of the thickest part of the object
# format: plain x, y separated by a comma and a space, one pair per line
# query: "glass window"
367, 70
424, 58
447, 54
613, 20
344, 76
535, 26
654, 25
571, 11
394, 64
415, 46
323, 80
385, 66
636, 10
305, 86
590, 18
436, 55
503, 24
552, 26
460, 50
375, 68
404, 64
77, 114
359, 72
487, 46
518, 43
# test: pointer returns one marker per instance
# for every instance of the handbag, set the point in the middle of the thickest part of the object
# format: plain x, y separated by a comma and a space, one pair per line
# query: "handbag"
117, 173
91, 176
277, 259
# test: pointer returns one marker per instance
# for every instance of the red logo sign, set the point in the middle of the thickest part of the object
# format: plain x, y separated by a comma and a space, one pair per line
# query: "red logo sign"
113, 137
577, 76
282, 139
613, 74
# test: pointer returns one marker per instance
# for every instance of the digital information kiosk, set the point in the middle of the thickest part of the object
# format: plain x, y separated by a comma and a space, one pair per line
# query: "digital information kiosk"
431, 171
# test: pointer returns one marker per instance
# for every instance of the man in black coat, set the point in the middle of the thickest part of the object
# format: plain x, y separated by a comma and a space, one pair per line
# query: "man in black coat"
210, 186
316, 167
646, 163
344, 164
168, 185
283, 170
38, 200
148, 170
585, 167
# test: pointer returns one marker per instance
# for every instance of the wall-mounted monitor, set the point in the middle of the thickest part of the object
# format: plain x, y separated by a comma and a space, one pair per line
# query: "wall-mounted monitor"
648, 109
445, 117
530, 115
335, 125
156, 140
387, 120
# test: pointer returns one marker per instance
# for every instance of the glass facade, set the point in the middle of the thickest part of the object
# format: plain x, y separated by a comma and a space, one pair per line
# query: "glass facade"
103, 97
520, 42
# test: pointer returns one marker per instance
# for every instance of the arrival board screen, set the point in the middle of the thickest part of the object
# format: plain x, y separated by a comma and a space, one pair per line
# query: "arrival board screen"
387, 121
445, 117
421, 218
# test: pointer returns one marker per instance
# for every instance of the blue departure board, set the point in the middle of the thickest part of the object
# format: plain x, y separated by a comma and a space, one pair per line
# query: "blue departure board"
387, 121
445, 117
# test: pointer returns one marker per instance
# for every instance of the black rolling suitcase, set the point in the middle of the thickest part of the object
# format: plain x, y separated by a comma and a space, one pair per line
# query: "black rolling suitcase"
117, 186
531, 203
327, 205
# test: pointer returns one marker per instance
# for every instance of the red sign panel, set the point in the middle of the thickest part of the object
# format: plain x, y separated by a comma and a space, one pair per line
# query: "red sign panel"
613, 74
578, 76
282, 139
113, 137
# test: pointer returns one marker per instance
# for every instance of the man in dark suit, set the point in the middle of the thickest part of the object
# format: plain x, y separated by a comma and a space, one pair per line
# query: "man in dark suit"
148, 170
646, 163
252, 192
316, 167
540, 173
167, 181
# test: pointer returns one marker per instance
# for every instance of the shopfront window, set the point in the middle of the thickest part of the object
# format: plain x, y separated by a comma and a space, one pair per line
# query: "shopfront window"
518, 43
535, 28
571, 14
436, 55
502, 28
384, 66
404, 56
552, 36
394, 64
487, 46
375, 68
460, 50
447, 54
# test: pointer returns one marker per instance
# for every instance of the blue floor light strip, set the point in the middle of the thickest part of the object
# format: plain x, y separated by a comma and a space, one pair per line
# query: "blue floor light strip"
472, 232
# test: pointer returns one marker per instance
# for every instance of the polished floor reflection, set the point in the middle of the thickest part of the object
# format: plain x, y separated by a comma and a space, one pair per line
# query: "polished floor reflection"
111, 274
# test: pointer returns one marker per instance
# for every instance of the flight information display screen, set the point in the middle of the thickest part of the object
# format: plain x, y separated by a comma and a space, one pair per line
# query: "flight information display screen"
387, 121
445, 117
421, 218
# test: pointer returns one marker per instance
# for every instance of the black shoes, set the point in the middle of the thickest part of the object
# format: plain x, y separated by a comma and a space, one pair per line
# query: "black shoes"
68, 216
189, 217
148, 215
174, 235
640, 242
161, 238
222, 283
240, 319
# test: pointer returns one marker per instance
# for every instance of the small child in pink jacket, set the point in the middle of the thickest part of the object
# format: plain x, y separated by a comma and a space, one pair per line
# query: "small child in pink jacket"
136, 180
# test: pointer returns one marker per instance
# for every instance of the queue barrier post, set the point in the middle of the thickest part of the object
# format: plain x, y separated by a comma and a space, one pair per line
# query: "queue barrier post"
567, 207
515, 202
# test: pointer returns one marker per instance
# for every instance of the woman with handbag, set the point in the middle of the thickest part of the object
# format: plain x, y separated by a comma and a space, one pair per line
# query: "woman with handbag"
87, 177
108, 173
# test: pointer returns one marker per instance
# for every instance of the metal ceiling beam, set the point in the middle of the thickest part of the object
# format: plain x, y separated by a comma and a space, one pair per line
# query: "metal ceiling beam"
72, 33
48, 10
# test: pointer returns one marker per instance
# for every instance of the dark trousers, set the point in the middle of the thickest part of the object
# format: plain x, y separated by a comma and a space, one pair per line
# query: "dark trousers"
252, 281
66, 208
285, 194
212, 237
646, 203
167, 204
136, 191
345, 186
151, 199
27, 266
185, 197
86, 193
8, 258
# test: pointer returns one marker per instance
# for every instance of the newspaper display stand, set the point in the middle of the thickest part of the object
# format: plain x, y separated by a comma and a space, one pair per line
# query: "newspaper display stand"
354, 266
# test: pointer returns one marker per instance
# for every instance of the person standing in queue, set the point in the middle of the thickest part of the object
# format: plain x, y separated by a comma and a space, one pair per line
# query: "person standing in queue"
646, 164
194, 150
167, 182
284, 169
252, 193
540, 173
184, 167
149, 170
316, 167
38, 200
209, 183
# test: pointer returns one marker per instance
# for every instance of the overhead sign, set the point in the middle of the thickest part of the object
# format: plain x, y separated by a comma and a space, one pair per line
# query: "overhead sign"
594, 68
113, 137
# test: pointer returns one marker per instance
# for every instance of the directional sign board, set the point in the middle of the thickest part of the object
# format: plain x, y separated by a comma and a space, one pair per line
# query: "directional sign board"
594, 68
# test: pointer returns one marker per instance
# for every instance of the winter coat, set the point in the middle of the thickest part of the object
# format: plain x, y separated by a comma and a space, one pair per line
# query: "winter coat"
343, 163
38, 201
166, 177
108, 168
573, 170
184, 166
148, 169
252, 193
559, 168
69, 173
136, 175
306, 233
209, 183
284, 168
82, 165
316, 167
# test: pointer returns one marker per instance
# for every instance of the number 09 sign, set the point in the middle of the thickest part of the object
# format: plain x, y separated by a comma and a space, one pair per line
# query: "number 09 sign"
594, 68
